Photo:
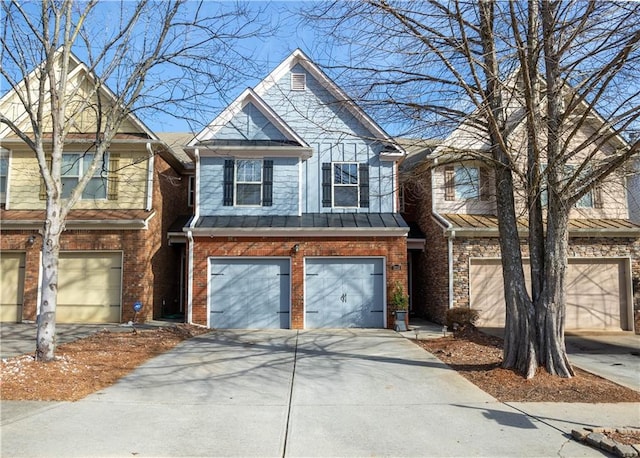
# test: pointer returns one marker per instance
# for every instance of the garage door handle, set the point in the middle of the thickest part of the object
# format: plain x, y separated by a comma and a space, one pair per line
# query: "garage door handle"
376, 311
282, 312
312, 311
217, 311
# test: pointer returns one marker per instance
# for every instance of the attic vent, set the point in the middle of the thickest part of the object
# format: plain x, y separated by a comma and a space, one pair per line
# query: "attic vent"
298, 82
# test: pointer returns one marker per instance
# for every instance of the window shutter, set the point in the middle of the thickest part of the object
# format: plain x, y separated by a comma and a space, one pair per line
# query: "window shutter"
484, 183
326, 184
267, 183
449, 183
43, 187
112, 176
227, 199
597, 196
363, 180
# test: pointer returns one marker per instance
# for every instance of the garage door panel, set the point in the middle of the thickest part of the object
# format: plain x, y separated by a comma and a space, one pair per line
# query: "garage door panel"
344, 292
11, 286
595, 293
89, 287
249, 293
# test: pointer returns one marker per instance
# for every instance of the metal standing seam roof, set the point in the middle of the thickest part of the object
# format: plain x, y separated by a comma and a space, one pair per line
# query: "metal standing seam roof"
306, 221
490, 222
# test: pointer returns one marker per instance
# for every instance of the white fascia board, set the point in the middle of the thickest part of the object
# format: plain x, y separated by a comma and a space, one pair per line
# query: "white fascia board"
298, 57
300, 232
247, 96
255, 151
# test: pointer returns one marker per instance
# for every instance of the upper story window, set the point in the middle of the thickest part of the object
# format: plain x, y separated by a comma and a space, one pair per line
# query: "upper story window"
345, 185
298, 81
4, 175
248, 182
465, 182
74, 166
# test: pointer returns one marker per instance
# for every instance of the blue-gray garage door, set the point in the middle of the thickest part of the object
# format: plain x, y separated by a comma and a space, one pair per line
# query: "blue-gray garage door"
344, 293
249, 293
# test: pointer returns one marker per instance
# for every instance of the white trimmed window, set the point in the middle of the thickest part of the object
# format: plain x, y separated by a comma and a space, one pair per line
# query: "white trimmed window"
248, 182
74, 166
345, 184
466, 182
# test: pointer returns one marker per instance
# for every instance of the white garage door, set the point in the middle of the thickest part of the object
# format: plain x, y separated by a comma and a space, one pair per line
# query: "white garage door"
89, 287
249, 293
596, 293
344, 293
11, 286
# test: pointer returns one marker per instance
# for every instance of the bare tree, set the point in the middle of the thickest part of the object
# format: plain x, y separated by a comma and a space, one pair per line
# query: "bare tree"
142, 57
558, 68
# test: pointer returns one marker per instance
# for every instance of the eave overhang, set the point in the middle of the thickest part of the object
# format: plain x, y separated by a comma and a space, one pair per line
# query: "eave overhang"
250, 151
299, 232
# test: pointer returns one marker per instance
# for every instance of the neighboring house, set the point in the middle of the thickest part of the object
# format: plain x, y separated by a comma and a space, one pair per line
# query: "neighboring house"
296, 221
633, 193
460, 267
114, 250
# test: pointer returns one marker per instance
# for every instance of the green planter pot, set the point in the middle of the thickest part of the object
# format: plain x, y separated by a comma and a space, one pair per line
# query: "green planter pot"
401, 320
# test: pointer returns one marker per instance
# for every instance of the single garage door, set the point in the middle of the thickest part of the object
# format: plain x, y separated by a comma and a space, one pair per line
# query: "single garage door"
11, 286
249, 293
596, 293
89, 287
344, 293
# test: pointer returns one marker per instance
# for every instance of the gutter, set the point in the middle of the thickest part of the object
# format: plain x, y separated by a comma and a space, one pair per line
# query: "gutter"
299, 231
196, 215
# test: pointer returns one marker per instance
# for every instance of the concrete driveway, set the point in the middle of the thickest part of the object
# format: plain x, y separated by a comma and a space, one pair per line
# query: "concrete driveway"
297, 393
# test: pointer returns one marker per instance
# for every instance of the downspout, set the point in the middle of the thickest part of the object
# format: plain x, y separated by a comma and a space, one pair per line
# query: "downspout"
194, 220
447, 232
150, 171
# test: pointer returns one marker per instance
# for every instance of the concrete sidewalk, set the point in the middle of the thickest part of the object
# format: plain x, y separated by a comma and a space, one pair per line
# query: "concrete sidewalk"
298, 393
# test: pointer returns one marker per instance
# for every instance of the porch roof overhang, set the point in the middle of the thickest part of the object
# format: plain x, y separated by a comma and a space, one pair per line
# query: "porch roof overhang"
79, 219
306, 225
487, 226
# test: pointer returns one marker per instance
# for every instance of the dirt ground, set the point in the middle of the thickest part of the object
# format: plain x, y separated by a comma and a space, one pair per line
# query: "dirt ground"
91, 364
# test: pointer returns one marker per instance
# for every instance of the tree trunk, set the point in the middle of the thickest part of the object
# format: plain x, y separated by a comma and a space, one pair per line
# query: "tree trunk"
46, 332
550, 309
519, 333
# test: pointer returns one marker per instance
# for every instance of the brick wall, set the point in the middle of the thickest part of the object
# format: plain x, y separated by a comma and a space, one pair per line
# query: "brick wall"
150, 267
393, 248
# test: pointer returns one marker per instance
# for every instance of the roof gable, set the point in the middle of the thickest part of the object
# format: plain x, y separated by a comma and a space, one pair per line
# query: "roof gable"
82, 82
248, 117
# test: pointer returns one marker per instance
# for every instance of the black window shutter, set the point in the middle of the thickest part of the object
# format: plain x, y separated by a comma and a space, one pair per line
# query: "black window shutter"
326, 184
364, 185
267, 183
227, 199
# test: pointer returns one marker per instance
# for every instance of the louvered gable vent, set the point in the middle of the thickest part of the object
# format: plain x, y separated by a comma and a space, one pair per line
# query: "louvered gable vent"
298, 82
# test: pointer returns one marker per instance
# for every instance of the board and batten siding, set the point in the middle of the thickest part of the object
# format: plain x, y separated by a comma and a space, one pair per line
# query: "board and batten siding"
285, 189
336, 136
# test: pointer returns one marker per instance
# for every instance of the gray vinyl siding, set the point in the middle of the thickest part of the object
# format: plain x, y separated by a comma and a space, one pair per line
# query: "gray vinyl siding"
285, 189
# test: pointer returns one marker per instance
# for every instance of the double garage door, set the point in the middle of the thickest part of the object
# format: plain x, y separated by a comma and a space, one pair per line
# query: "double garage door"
596, 293
251, 293
89, 287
